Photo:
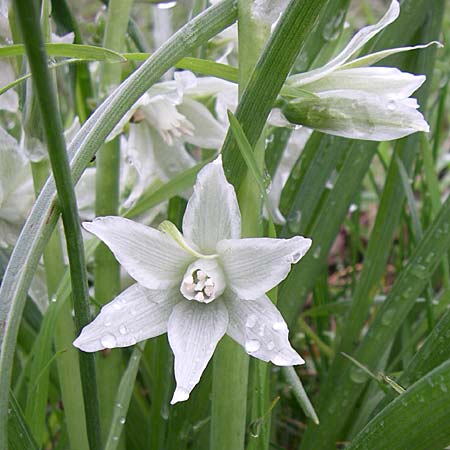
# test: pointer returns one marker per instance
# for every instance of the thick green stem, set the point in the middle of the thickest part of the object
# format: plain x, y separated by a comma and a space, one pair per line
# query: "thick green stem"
231, 364
107, 269
32, 36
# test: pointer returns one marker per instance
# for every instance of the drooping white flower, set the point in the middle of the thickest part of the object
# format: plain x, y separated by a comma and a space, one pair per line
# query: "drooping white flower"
175, 116
356, 101
197, 286
16, 189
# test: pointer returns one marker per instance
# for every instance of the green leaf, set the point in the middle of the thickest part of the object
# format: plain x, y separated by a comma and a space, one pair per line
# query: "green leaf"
247, 153
395, 427
19, 434
197, 65
123, 398
300, 394
78, 51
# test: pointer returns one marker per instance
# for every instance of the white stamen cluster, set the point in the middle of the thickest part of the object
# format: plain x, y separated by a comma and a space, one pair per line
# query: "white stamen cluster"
200, 286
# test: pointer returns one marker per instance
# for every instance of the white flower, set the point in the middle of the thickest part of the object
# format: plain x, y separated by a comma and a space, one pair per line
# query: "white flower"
177, 118
197, 286
16, 189
356, 101
268, 11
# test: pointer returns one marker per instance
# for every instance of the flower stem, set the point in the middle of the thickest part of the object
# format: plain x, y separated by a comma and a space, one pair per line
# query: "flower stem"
51, 121
107, 269
231, 363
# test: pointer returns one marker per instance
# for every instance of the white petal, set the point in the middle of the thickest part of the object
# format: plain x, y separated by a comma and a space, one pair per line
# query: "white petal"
9, 100
295, 145
212, 213
139, 167
372, 58
194, 330
208, 132
387, 82
268, 11
152, 258
258, 326
358, 115
254, 266
170, 160
85, 192
135, 315
356, 43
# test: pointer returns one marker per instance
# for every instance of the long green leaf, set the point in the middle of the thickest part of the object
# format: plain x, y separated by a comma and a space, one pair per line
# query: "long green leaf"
77, 51
123, 399
408, 286
396, 426
19, 434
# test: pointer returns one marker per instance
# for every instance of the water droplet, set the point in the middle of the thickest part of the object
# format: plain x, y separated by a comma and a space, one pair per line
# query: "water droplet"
444, 387
278, 326
53, 299
115, 438
165, 411
119, 405
251, 321
294, 221
123, 329
391, 105
261, 330
429, 257
252, 345
317, 251
166, 5
122, 420
420, 271
387, 317
271, 345
108, 341
358, 375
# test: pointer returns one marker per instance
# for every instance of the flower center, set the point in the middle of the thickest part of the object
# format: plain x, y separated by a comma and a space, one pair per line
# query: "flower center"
203, 281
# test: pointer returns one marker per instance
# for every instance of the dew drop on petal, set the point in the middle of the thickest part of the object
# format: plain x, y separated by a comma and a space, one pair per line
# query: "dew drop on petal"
271, 345
279, 326
251, 321
108, 341
391, 106
123, 329
252, 345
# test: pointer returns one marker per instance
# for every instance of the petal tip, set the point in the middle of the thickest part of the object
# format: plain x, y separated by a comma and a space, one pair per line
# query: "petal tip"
180, 395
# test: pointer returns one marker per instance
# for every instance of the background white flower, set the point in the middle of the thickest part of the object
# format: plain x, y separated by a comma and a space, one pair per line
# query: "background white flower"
356, 101
197, 286
16, 189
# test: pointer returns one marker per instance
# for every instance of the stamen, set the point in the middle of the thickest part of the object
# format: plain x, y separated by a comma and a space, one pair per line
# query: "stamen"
199, 296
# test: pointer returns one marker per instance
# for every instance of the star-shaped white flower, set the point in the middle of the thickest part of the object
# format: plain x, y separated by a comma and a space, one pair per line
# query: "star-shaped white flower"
197, 286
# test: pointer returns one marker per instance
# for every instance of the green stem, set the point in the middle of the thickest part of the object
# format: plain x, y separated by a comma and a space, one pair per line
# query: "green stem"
231, 364
32, 36
107, 269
